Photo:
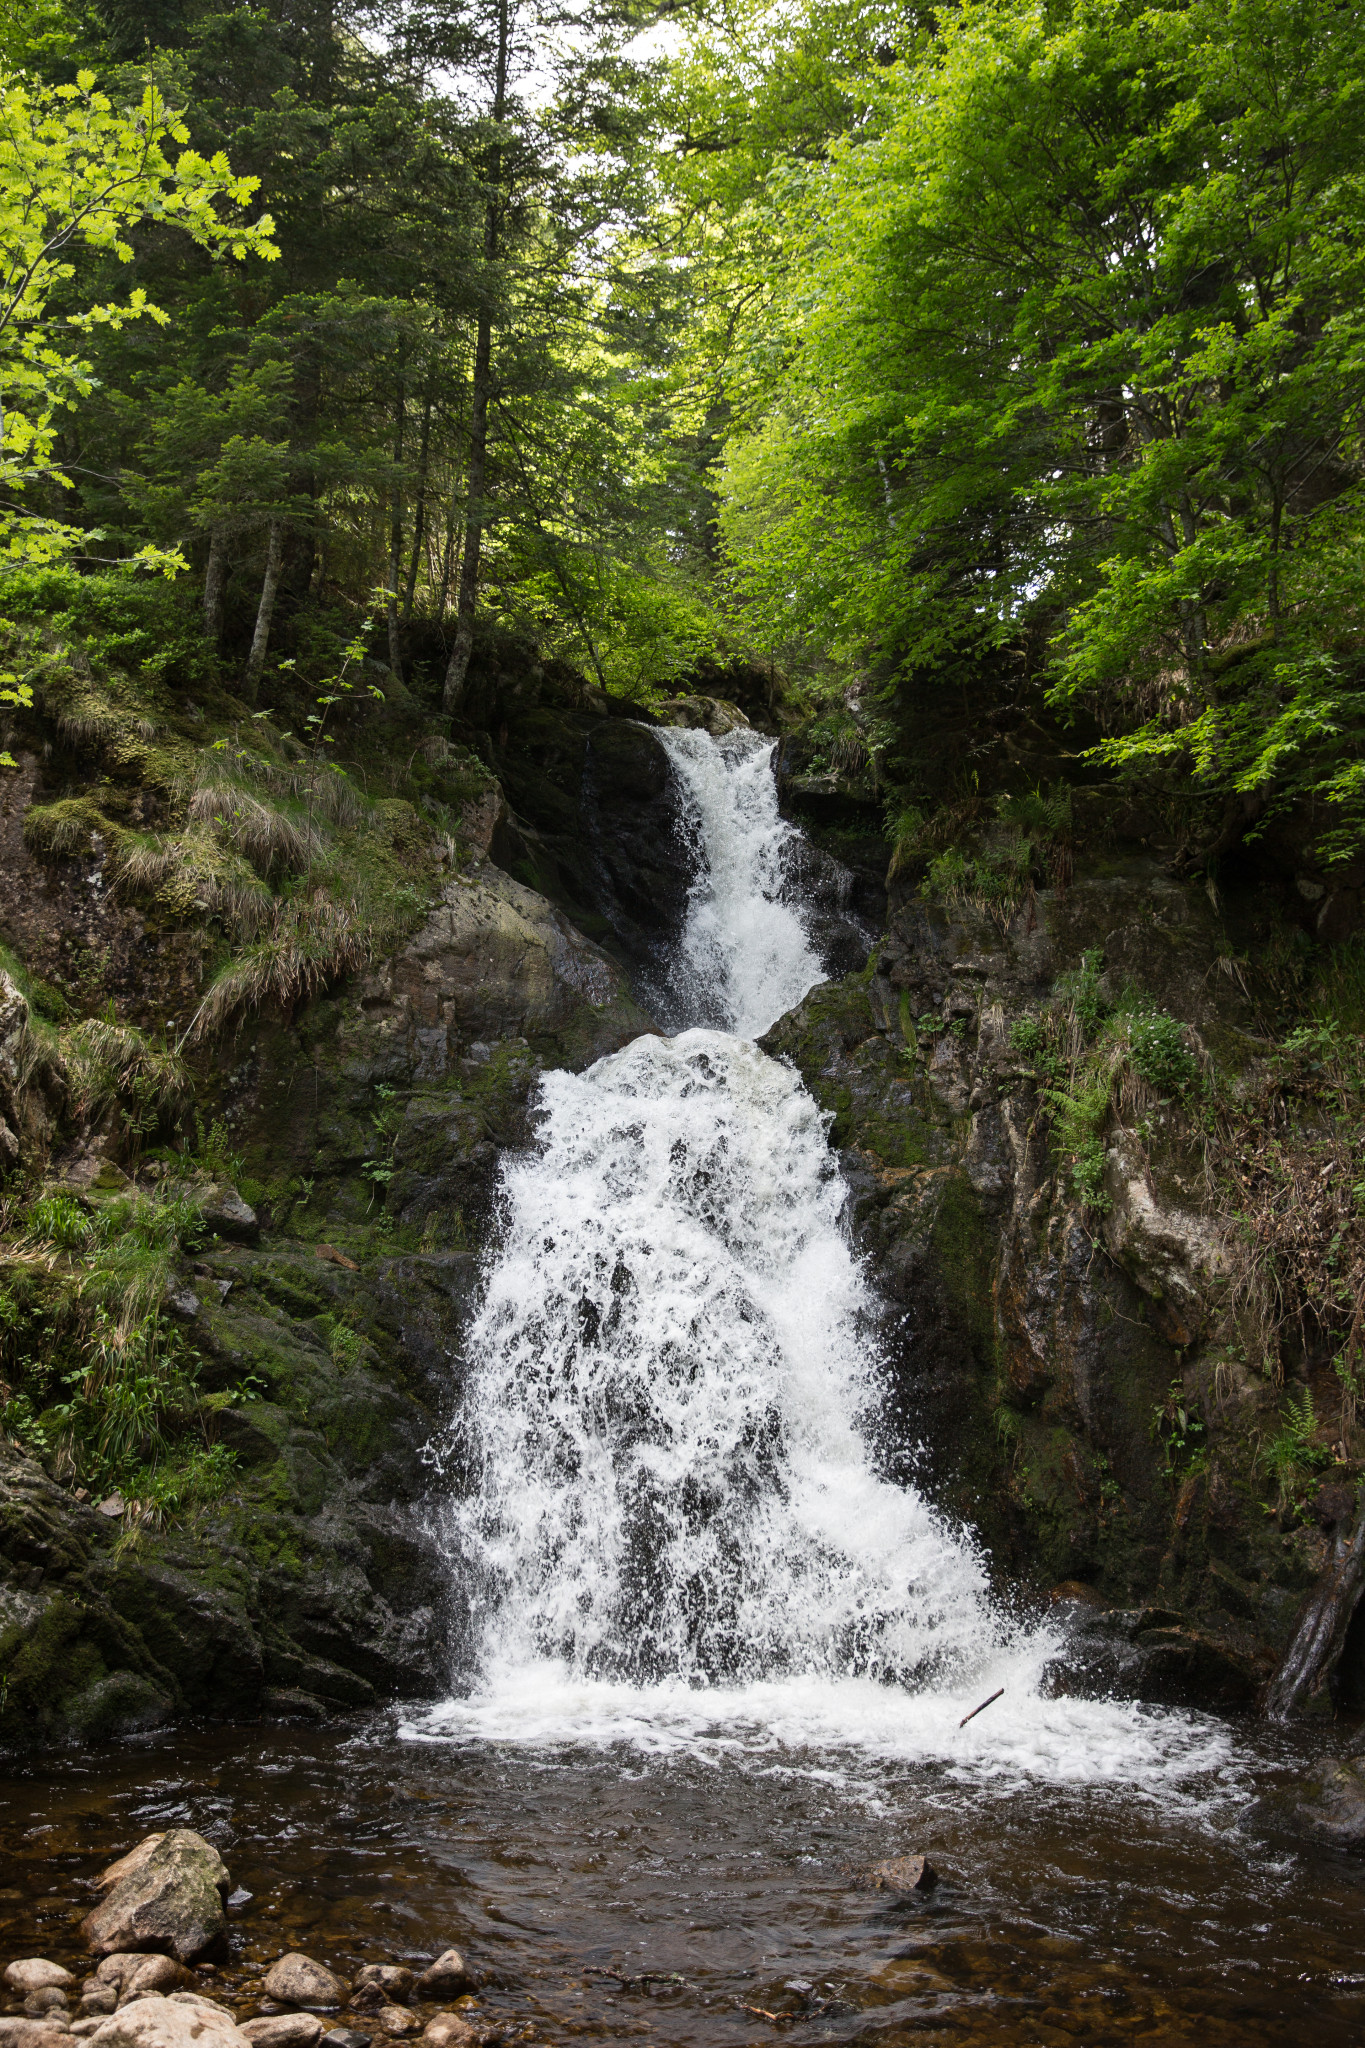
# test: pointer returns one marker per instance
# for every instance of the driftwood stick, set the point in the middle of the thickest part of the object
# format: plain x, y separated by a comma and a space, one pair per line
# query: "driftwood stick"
981, 1709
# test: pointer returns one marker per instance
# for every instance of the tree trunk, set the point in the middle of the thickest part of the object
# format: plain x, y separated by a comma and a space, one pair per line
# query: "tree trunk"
419, 514
265, 611
396, 533
215, 579
1321, 1629
453, 694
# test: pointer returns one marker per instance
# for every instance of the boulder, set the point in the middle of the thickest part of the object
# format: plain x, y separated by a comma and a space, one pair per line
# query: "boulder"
170, 1902
182, 2021
298, 1980
35, 1973
284, 2030
495, 960
225, 1212
448, 1977
1327, 1807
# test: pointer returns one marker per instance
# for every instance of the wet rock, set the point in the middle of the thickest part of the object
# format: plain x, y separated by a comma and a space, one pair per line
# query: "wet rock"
50, 1999
1152, 1654
1174, 1255
155, 1973
114, 1873
348, 2037
171, 1902
448, 2030
179, 2022
496, 960
395, 1982
1326, 1808
225, 1212
35, 1973
287, 2030
98, 1999
396, 2020
297, 1980
448, 1977
17, 2033
904, 1874
291, 1703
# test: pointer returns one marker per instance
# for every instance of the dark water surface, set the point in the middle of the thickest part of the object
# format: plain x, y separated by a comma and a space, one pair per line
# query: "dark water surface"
711, 1885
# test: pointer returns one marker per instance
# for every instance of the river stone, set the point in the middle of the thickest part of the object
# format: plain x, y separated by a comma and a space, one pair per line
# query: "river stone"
16, 2033
298, 1980
284, 2030
35, 1973
448, 2030
98, 1998
448, 1977
171, 1900
51, 1998
396, 2020
154, 1973
392, 1979
904, 1874
155, 2022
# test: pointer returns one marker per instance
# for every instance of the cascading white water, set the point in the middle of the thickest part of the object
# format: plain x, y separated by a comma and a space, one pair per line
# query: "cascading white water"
673, 1483
745, 958
671, 1516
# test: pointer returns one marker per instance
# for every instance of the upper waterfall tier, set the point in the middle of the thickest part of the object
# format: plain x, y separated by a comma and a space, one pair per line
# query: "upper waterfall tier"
746, 955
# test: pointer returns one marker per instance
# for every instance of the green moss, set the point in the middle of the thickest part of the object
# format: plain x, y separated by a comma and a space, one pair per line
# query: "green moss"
964, 1246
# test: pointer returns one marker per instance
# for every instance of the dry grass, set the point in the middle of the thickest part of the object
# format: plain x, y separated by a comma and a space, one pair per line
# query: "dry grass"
109, 1062
310, 945
272, 840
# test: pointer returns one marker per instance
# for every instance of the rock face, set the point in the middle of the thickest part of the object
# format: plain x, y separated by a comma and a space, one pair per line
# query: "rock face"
171, 1902
1043, 1344
297, 1980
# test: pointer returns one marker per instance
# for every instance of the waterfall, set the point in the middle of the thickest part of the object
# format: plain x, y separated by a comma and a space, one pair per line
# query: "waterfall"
746, 957
666, 1508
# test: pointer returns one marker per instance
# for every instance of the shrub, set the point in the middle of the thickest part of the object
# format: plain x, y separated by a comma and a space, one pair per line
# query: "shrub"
1158, 1052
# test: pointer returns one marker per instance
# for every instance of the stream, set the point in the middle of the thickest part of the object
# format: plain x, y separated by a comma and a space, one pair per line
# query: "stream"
714, 1665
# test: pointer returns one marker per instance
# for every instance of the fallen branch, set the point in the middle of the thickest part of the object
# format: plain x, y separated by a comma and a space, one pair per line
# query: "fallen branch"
981, 1709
